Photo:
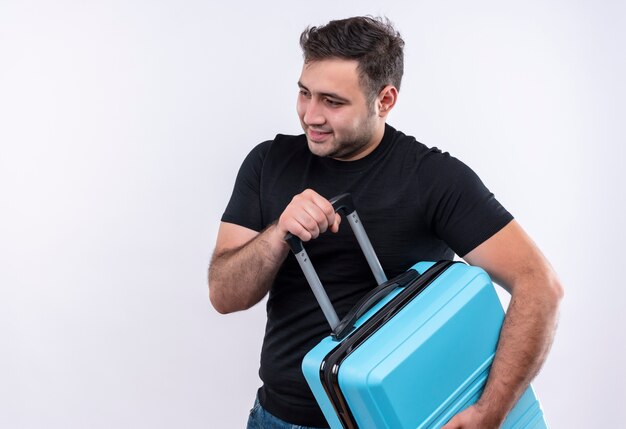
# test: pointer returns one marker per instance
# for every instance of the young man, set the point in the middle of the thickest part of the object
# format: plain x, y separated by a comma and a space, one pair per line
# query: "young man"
416, 204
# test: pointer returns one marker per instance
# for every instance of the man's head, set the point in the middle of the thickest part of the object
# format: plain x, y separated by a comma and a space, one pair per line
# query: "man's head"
349, 83
373, 43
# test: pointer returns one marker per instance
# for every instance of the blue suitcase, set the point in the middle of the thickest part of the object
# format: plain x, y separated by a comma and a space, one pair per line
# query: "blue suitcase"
413, 352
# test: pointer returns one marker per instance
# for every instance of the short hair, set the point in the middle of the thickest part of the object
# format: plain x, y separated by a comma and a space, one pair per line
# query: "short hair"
373, 42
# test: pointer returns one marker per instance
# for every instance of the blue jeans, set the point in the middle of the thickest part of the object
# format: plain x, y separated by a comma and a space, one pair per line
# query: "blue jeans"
261, 419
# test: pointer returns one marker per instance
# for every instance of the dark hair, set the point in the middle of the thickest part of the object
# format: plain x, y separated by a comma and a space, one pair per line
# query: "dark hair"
373, 42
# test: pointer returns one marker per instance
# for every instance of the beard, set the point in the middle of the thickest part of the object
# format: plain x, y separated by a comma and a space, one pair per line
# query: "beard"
344, 144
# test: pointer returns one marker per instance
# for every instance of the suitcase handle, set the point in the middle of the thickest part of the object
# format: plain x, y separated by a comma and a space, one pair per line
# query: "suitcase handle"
341, 204
368, 301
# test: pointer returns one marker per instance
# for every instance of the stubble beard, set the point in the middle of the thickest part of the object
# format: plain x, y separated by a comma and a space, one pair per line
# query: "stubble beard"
348, 146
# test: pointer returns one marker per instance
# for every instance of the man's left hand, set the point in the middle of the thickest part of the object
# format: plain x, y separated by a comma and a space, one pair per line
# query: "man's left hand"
472, 418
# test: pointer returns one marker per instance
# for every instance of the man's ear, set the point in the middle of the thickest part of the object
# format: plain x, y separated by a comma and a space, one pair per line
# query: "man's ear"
386, 99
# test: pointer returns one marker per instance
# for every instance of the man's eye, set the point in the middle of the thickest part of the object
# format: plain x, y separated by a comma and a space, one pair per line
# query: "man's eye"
304, 93
333, 102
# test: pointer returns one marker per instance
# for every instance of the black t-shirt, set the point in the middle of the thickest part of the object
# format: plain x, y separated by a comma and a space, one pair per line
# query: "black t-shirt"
416, 204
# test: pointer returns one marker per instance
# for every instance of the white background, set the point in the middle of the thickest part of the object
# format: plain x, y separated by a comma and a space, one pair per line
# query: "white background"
122, 126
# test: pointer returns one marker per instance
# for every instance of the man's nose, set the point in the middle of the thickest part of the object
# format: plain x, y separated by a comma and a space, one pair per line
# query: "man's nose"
313, 114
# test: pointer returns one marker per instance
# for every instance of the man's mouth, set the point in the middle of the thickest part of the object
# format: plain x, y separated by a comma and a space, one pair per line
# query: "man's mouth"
317, 135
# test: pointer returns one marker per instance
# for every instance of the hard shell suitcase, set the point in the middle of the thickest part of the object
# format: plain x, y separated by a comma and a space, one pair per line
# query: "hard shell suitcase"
413, 352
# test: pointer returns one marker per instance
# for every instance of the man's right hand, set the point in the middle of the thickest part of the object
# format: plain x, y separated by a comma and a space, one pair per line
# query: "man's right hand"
308, 215
245, 262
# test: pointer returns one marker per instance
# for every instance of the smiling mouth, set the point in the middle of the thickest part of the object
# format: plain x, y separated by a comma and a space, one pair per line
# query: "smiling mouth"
318, 136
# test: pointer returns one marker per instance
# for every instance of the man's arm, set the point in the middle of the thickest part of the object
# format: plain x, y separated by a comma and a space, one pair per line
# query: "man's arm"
243, 266
245, 262
514, 262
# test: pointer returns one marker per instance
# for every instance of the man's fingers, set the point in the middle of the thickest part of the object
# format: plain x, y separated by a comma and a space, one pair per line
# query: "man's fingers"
309, 218
301, 232
308, 215
324, 205
334, 227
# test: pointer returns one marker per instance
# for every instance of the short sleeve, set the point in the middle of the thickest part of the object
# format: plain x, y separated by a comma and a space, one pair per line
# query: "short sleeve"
244, 207
456, 203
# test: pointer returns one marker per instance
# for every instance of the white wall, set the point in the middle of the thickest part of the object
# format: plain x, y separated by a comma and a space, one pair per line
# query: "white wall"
122, 126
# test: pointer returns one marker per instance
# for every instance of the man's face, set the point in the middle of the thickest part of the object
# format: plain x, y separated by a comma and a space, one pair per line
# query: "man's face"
334, 113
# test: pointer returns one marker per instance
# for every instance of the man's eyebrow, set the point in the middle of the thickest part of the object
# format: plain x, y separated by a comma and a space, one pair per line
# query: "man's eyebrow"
326, 94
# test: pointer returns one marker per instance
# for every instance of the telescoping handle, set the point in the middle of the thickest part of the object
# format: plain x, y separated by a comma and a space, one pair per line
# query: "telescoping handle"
342, 204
